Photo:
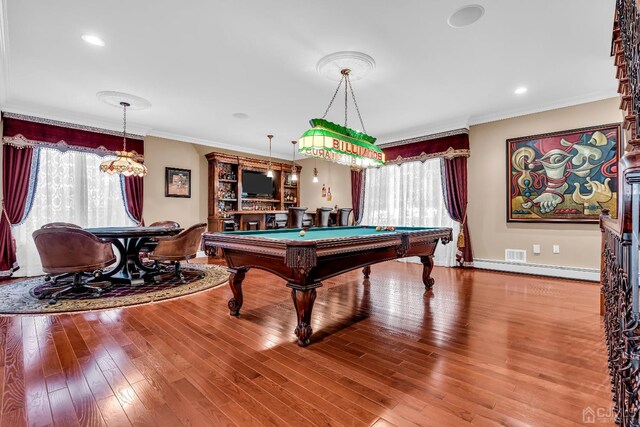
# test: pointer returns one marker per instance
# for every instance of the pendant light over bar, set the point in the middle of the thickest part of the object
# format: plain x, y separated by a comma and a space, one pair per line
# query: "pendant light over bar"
294, 168
270, 165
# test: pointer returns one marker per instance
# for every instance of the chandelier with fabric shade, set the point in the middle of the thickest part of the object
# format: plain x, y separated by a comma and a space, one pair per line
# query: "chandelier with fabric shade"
126, 162
340, 144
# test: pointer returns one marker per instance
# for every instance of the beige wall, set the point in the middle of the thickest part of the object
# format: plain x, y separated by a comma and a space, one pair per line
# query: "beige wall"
160, 153
490, 233
333, 175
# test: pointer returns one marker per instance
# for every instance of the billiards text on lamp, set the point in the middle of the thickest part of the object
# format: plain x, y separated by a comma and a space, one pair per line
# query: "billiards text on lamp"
340, 144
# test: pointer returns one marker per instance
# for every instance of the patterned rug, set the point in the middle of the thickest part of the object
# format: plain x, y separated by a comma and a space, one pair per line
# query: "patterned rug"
19, 297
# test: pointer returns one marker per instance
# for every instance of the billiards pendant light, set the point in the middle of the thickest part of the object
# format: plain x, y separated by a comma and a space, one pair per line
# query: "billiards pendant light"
270, 165
294, 168
339, 144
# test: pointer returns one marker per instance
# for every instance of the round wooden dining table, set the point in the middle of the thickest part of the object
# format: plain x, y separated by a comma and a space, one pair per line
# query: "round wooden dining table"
130, 241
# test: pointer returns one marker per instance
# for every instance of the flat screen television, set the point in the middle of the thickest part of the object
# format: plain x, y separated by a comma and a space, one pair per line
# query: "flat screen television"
257, 185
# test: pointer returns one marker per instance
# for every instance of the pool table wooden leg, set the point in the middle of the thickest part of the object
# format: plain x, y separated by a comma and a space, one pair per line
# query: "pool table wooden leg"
366, 271
235, 283
427, 262
303, 301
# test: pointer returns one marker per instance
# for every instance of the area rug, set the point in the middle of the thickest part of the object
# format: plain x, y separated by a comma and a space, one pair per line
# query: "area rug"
18, 297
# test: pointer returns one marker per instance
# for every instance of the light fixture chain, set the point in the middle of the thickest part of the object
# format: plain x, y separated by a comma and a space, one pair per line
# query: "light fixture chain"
333, 98
346, 98
356, 104
124, 126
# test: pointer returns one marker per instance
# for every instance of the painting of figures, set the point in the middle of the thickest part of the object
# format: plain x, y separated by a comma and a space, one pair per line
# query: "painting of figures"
567, 176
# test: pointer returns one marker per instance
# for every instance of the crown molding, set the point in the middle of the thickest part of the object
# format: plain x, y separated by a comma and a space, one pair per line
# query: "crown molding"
216, 144
539, 108
72, 119
425, 137
429, 131
4, 53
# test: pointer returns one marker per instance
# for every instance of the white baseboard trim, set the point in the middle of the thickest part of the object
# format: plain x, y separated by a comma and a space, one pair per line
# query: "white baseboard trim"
578, 273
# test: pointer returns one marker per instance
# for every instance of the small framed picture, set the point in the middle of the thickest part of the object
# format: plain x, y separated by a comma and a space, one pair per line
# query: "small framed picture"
177, 182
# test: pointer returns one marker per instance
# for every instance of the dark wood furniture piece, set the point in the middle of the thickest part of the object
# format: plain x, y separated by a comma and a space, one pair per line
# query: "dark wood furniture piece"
180, 247
296, 217
305, 261
620, 298
226, 201
129, 241
343, 217
72, 250
322, 217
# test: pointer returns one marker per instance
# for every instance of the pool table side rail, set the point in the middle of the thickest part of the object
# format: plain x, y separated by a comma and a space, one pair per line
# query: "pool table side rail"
291, 250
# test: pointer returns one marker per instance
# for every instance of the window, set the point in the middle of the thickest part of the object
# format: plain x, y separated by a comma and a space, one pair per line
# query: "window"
409, 195
69, 188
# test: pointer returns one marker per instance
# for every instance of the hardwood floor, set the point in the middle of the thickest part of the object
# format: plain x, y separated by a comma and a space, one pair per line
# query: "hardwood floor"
483, 349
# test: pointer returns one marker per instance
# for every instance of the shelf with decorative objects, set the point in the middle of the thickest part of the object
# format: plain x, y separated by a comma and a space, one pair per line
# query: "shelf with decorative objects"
226, 200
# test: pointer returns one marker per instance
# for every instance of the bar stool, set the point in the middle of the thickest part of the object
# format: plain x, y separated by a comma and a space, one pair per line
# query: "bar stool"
252, 225
296, 216
322, 216
343, 216
229, 225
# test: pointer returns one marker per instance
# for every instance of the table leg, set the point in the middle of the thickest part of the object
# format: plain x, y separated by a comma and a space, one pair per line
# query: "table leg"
303, 301
235, 283
427, 262
366, 271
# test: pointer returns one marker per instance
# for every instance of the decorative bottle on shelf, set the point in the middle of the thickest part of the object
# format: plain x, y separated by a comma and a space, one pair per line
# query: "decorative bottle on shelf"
329, 194
324, 191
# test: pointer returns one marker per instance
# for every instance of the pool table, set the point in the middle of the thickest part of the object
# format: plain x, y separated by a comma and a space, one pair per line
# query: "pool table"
305, 261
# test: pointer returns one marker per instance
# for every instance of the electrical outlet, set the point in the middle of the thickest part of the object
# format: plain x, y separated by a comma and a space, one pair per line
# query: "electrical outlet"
536, 249
556, 249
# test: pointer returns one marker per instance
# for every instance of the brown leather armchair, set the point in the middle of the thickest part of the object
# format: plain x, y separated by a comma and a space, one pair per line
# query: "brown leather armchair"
171, 224
181, 247
60, 224
343, 216
296, 217
322, 216
72, 250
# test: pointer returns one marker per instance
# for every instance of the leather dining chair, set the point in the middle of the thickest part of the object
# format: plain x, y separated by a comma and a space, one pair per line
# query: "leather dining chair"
60, 224
322, 216
171, 224
343, 216
72, 250
296, 217
181, 247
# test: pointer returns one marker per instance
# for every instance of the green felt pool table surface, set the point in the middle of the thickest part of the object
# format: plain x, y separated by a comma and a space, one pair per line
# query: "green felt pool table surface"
321, 233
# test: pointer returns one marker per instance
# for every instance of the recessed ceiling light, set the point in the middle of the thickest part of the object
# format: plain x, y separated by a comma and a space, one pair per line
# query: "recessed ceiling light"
240, 115
520, 90
465, 16
94, 40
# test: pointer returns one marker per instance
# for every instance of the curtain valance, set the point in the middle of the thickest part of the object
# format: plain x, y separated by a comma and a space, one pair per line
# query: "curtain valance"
26, 131
447, 145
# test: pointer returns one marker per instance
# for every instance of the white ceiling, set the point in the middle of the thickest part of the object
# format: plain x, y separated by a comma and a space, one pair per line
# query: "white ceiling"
201, 61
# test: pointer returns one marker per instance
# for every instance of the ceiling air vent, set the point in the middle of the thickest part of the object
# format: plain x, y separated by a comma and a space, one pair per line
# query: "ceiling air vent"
515, 255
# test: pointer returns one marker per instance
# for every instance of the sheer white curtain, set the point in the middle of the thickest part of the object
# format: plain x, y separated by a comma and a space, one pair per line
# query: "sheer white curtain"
410, 195
70, 188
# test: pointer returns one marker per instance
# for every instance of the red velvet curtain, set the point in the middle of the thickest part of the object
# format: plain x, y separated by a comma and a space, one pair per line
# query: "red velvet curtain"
74, 137
357, 194
454, 180
133, 194
16, 169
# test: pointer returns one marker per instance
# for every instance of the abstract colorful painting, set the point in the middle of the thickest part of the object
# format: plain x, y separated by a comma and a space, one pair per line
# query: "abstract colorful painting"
567, 176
